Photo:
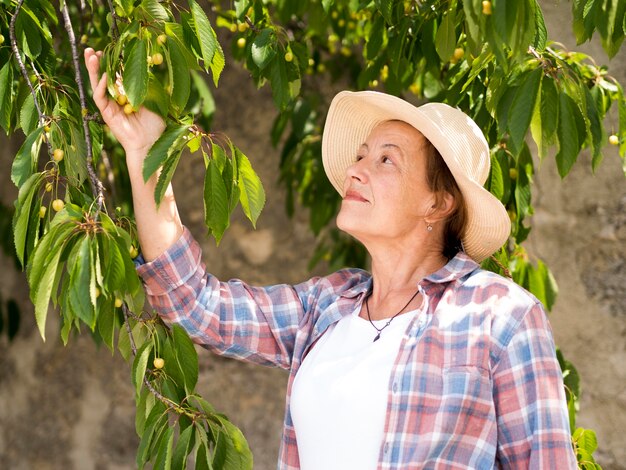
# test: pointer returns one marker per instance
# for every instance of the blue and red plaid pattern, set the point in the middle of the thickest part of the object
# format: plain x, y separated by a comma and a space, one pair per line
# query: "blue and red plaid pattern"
476, 384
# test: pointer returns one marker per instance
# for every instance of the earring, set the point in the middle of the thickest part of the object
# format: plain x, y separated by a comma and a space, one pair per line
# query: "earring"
429, 227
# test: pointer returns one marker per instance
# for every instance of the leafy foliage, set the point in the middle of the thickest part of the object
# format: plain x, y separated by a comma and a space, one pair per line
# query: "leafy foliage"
493, 59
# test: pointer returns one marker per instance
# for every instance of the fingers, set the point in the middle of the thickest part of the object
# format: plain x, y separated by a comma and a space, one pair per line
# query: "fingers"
92, 61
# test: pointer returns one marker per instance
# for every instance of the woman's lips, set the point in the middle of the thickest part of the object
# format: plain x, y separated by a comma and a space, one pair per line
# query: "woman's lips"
352, 195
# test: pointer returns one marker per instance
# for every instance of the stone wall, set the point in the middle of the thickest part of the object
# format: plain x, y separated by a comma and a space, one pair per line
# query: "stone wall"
73, 408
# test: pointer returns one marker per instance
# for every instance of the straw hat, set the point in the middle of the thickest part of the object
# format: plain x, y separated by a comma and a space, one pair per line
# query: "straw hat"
461, 143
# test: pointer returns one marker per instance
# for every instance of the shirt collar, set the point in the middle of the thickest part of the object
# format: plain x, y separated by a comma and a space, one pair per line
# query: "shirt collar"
456, 268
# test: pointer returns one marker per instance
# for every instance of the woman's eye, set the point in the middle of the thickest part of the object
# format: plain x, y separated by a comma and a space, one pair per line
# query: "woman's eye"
359, 158
386, 159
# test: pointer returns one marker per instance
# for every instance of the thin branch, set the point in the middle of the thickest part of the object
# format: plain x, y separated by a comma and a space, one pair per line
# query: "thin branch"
114, 29
133, 346
20, 63
96, 185
110, 175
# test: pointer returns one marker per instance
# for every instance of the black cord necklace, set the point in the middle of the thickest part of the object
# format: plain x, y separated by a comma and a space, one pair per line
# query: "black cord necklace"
379, 330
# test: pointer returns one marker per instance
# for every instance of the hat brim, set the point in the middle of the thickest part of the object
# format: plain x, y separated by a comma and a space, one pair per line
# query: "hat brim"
353, 115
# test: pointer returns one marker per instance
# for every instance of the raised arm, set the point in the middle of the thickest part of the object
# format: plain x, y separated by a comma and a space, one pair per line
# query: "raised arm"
157, 229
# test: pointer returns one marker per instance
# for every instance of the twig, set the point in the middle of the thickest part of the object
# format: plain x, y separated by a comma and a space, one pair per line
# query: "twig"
96, 185
110, 176
133, 346
114, 29
20, 63
171, 405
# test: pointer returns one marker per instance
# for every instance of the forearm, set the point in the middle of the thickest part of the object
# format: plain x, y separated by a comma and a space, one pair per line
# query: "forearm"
157, 228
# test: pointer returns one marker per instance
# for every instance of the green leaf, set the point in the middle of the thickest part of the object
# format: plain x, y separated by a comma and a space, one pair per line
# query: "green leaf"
140, 364
207, 39
81, 281
22, 214
28, 36
169, 167
386, 9
252, 195
157, 99
445, 40
376, 38
280, 84
231, 447
155, 423
522, 107
114, 272
567, 134
28, 115
496, 183
163, 459
181, 82
186, 356
596, 130
161, 150
42, 273
25, 161
108, 323
135, 76
216, 213
541, 32
182, 449
6, 96
262, 48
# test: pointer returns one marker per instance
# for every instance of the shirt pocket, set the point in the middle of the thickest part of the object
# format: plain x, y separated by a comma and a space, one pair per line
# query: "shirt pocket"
467, 409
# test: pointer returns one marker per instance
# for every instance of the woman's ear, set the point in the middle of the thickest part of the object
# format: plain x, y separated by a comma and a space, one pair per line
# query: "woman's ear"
444, 207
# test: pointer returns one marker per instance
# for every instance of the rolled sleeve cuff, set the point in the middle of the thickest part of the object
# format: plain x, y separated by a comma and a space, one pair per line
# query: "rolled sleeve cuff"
172, 268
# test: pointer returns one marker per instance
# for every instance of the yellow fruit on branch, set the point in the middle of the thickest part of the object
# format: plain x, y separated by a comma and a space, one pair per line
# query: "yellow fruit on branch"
58, 155
128, 108
613, 140
157, 59
161, 39
486, 7
42, 212
158, 363
58, 205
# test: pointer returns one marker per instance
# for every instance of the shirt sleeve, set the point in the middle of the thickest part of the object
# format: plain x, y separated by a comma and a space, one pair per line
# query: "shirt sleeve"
257, 324
531, 409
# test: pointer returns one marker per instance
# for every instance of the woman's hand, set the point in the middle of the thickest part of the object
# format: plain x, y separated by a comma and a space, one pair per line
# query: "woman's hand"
136, 131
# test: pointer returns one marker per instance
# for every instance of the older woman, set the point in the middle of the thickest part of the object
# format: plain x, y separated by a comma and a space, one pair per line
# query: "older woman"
426, 362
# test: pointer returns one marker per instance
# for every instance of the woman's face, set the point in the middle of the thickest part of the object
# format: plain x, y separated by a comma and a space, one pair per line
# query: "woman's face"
386, 194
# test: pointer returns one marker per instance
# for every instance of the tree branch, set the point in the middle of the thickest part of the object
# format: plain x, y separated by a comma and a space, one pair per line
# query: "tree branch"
20, 63
96, 185
114, 29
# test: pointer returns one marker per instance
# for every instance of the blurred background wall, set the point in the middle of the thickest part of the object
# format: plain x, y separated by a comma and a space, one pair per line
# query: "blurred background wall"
73, 408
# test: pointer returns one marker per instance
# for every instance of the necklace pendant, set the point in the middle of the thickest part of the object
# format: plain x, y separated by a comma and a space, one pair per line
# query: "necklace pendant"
377, 337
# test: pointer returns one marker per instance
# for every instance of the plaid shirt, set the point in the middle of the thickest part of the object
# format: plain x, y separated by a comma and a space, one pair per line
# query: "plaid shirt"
476, 384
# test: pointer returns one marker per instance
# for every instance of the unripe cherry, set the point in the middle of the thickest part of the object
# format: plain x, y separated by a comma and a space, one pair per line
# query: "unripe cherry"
613, 139
58, 205
58, 154
158, 363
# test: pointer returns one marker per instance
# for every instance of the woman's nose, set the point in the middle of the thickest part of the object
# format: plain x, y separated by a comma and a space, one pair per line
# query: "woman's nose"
358, 170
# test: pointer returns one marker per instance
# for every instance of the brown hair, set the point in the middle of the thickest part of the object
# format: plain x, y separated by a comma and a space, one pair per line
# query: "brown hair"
440, 181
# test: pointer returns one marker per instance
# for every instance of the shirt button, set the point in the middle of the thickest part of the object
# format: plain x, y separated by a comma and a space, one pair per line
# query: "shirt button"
386, 449
395, 387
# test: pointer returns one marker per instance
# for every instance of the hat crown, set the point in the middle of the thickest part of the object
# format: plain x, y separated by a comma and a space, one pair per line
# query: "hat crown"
468, 148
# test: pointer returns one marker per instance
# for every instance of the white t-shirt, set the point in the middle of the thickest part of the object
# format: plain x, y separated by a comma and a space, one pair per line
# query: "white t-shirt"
339, 395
